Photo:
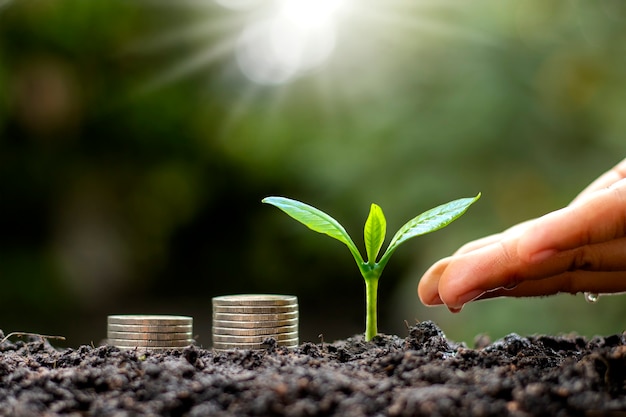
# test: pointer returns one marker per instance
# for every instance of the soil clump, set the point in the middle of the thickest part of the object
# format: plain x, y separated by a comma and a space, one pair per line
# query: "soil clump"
423, 374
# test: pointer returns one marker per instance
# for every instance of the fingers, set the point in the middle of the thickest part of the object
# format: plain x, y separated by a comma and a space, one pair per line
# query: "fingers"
579, 248
597, 219
607, 179
459, 279
569, 282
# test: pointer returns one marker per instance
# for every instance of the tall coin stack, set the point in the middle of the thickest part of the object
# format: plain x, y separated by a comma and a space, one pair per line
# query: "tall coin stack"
150, 332
245, 321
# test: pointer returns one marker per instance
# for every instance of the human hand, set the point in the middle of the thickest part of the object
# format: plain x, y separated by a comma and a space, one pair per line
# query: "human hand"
579, 248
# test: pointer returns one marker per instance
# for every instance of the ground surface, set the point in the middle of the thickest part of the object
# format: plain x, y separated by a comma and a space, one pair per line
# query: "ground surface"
422, 374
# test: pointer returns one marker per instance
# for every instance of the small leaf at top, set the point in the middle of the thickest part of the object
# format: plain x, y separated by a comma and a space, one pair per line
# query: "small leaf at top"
315, 220
375, 230
431, 220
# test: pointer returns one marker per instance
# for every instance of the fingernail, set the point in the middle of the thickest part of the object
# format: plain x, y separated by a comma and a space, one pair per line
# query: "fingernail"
469, 296
542, 255
455, 310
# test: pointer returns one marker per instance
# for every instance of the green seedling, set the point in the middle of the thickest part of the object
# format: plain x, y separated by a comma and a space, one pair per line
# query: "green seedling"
374, 233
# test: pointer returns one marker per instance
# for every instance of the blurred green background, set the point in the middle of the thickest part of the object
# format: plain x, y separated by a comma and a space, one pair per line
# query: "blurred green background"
135, 150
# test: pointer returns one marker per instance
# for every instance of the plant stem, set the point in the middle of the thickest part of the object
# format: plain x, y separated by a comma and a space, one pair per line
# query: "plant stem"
371, 317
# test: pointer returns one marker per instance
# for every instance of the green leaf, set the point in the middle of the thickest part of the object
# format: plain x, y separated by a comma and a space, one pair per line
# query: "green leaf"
429, 221
315, 220
375, 230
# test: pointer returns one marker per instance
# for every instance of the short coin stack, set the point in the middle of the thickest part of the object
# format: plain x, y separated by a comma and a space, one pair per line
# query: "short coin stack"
245, 321
150, 332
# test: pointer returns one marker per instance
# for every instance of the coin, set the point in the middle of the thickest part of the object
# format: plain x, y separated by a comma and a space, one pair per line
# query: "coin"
255, 300
253, 324
254, 331
149, 332
148, 336
150, 320
134, 344
256, 309
259, 346
138, 328
254, 317
150, 343
253, 339
149, 348
245, 320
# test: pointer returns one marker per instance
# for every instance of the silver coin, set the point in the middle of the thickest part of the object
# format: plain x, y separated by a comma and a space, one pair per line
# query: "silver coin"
138, 328
149, 348
255, 300
256, 309
235, 348
259, 341
254, 331
150, 343
150, 320
253, 324
254, 317
258, 346
149, 336
253, 339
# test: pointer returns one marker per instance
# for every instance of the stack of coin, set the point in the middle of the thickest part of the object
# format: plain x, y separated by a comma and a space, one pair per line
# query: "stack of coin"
245, 321
149, 332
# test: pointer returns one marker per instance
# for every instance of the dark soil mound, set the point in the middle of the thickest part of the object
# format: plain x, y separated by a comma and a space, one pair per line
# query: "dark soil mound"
422, 374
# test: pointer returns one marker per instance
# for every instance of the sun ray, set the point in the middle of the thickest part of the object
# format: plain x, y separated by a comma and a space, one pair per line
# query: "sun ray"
273, 44
299, 37
224, 26
191, 65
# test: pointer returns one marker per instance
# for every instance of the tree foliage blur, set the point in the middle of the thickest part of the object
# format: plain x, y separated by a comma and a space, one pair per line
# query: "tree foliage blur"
134, 153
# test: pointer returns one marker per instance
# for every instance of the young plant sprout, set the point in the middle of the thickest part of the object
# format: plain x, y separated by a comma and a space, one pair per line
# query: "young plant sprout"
374, 233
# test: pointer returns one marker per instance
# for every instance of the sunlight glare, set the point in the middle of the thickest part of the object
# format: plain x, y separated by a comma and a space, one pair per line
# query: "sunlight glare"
309, 13
276, 51
275, 42
298, 39
258, 59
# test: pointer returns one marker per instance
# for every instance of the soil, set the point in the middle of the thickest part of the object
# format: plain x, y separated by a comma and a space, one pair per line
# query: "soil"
423, 374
